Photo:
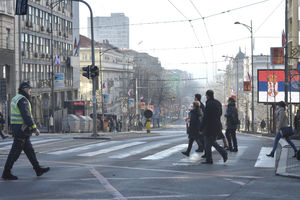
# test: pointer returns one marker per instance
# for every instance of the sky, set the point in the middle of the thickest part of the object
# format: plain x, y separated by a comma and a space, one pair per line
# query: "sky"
194, 35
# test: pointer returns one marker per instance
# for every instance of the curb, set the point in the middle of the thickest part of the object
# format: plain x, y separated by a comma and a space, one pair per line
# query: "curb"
281, 166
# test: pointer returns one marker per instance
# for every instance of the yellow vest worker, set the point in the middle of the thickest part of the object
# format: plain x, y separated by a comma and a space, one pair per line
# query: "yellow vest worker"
22, 125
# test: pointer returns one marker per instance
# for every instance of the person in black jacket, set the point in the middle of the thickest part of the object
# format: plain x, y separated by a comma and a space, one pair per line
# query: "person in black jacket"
232, 121
23, 125
2, 121
210, 126
194, 128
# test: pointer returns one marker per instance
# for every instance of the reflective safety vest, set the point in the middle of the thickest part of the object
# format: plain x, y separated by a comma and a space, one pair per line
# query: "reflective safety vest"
15, 115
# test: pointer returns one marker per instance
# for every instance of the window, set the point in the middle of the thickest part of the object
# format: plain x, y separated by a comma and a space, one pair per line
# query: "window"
7, 38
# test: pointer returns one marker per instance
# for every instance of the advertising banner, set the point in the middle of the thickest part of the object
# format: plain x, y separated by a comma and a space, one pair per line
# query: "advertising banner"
59, 80
277, 56
247, 86
271, 87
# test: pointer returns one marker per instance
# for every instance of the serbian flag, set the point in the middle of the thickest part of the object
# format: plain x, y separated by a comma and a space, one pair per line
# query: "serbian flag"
141, 98
76, 47
104, 85
249, 76
56, 60
129, 92
283, 39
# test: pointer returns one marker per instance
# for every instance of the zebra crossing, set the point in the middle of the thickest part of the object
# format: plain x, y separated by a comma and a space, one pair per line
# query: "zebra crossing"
144, 150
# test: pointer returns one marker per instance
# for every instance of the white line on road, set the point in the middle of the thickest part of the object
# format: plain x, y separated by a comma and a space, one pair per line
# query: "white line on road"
263, 160
114, 148
144, 148
32, 142
166, 152
82, 148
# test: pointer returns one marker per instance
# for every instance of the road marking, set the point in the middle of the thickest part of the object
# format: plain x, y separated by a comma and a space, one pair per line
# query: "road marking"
263, 160
233, 157
144, 148
166, 152
115, 193
32, 142
81, 148
114, 148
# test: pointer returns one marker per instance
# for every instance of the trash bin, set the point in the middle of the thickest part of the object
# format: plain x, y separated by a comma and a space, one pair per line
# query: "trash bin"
90, 123
84, 126
71, 124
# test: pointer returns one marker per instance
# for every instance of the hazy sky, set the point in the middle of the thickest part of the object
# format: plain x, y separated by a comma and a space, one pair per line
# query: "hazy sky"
193, 35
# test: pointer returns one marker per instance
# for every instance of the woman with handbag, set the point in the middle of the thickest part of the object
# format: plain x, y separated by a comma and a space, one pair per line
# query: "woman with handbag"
283, 129
194, 127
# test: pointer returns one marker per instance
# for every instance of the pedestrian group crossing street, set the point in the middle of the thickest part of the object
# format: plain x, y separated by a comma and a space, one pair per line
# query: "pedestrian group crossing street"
163, 148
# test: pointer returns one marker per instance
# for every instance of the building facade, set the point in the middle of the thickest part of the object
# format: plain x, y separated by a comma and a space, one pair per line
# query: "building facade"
115, 29
38, 47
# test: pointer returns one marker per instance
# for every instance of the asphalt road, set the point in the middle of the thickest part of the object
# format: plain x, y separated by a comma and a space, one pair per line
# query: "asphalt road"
145, 168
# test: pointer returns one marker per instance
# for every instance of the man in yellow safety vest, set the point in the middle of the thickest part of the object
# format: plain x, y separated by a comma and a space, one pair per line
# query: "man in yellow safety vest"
22, 125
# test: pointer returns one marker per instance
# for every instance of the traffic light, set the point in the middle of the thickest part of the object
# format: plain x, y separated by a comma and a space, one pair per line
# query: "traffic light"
94, 71
86, 72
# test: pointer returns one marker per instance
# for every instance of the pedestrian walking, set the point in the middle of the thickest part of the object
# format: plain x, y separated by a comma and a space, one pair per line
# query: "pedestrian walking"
201, 138
232, 122
2, 122
297, 122
194, 127
247, 124
22, 125
211, 125
282, 128
262, 124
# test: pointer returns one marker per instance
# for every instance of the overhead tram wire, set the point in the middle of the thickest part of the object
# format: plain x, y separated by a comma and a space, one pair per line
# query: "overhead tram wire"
195, 34
206, 29
273, 11
177, 21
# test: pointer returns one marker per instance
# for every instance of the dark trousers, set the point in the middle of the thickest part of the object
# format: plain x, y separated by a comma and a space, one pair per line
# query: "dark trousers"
191, 141
209, 142
1, 133
231, 136
19, 145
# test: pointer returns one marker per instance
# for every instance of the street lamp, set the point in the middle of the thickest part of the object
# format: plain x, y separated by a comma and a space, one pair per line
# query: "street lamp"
250, 28
101, 82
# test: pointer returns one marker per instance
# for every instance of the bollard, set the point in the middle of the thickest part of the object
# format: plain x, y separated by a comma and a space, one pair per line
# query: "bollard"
148, 126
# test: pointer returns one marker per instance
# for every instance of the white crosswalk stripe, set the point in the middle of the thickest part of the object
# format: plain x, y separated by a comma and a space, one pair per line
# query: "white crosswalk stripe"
32, 142
263, 160
81, 148
166, 153
114, 148
145, 148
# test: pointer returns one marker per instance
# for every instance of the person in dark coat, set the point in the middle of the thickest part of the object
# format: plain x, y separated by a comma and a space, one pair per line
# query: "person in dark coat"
210, 126
2, 121
194, 128
201, 139
231, 115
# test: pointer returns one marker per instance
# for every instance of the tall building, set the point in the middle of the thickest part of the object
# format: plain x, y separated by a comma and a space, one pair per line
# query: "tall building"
38, 47
115, 29
7, 46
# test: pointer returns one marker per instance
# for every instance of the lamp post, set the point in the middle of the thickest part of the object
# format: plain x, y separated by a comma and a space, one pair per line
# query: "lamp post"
101, 82
250, 28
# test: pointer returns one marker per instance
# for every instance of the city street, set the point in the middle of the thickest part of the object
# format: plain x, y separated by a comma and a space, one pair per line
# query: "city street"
145, 168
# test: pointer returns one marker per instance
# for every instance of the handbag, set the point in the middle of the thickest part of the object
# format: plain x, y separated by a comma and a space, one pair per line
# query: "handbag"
287, 131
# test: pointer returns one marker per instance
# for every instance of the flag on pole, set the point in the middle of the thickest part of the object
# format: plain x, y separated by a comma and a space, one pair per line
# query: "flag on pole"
249, 76
76, 48
140, 42
283, 39
104, 85
232, 92
56, 60
129, 92
149, 101
141, 98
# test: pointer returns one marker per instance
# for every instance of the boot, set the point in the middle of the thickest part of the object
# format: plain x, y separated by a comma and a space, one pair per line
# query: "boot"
41, 170
6, 175
185, 153
271, 155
